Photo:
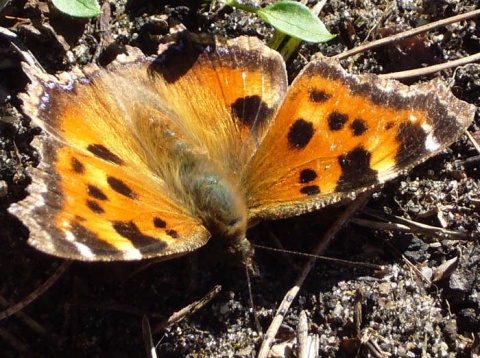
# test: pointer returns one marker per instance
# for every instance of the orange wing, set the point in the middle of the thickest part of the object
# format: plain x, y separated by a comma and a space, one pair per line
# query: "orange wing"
94, 196
246, 77
336, 135
115, 142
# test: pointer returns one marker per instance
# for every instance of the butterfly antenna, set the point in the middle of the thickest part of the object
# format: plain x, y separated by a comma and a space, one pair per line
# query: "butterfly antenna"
258, 327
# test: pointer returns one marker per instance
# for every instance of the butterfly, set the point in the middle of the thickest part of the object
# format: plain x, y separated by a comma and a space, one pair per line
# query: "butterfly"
152, 156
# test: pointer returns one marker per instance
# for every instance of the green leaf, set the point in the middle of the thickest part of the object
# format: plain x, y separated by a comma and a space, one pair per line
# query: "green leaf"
296, 20
78, 8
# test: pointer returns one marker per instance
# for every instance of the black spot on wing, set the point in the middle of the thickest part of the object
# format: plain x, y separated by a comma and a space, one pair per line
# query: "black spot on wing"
172, 233
356, 170
389, 125
300, 134
121, 188
95, 207
90, 239
310, 190
319, 96
179, 57
159, 223
96, 192
102, 152
77, 166
141, 241
358, 127
337, 120
412, 140
307, 175
250, 109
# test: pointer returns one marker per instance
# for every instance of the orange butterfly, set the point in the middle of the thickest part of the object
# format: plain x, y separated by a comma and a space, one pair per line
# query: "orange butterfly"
152, 156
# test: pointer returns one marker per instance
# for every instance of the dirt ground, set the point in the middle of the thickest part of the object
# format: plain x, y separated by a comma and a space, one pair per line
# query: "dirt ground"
96, 309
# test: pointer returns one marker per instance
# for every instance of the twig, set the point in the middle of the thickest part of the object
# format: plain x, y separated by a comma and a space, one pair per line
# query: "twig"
188, 310
147, 338
21, 48
357, 312
409, 33
18, 344
375, 350
292, 293
432, 69
302, 335
37, 293
396, 223
308, 344
33, 324
473, 141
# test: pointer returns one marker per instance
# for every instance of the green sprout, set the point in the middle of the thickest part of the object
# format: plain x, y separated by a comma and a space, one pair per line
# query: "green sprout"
291, 18
78, 8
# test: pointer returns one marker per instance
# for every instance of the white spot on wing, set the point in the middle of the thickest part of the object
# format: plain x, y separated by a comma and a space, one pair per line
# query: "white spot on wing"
431, 143
69, 236
50, 85
44, 101
132, 254
84, 250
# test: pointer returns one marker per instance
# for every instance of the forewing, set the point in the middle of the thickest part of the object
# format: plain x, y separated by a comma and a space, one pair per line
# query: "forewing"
337, 134
94, 195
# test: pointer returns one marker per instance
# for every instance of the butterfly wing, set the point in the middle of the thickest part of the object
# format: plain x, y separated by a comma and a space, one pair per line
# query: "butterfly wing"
224, 89
108, 186
93, 195
336, 135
